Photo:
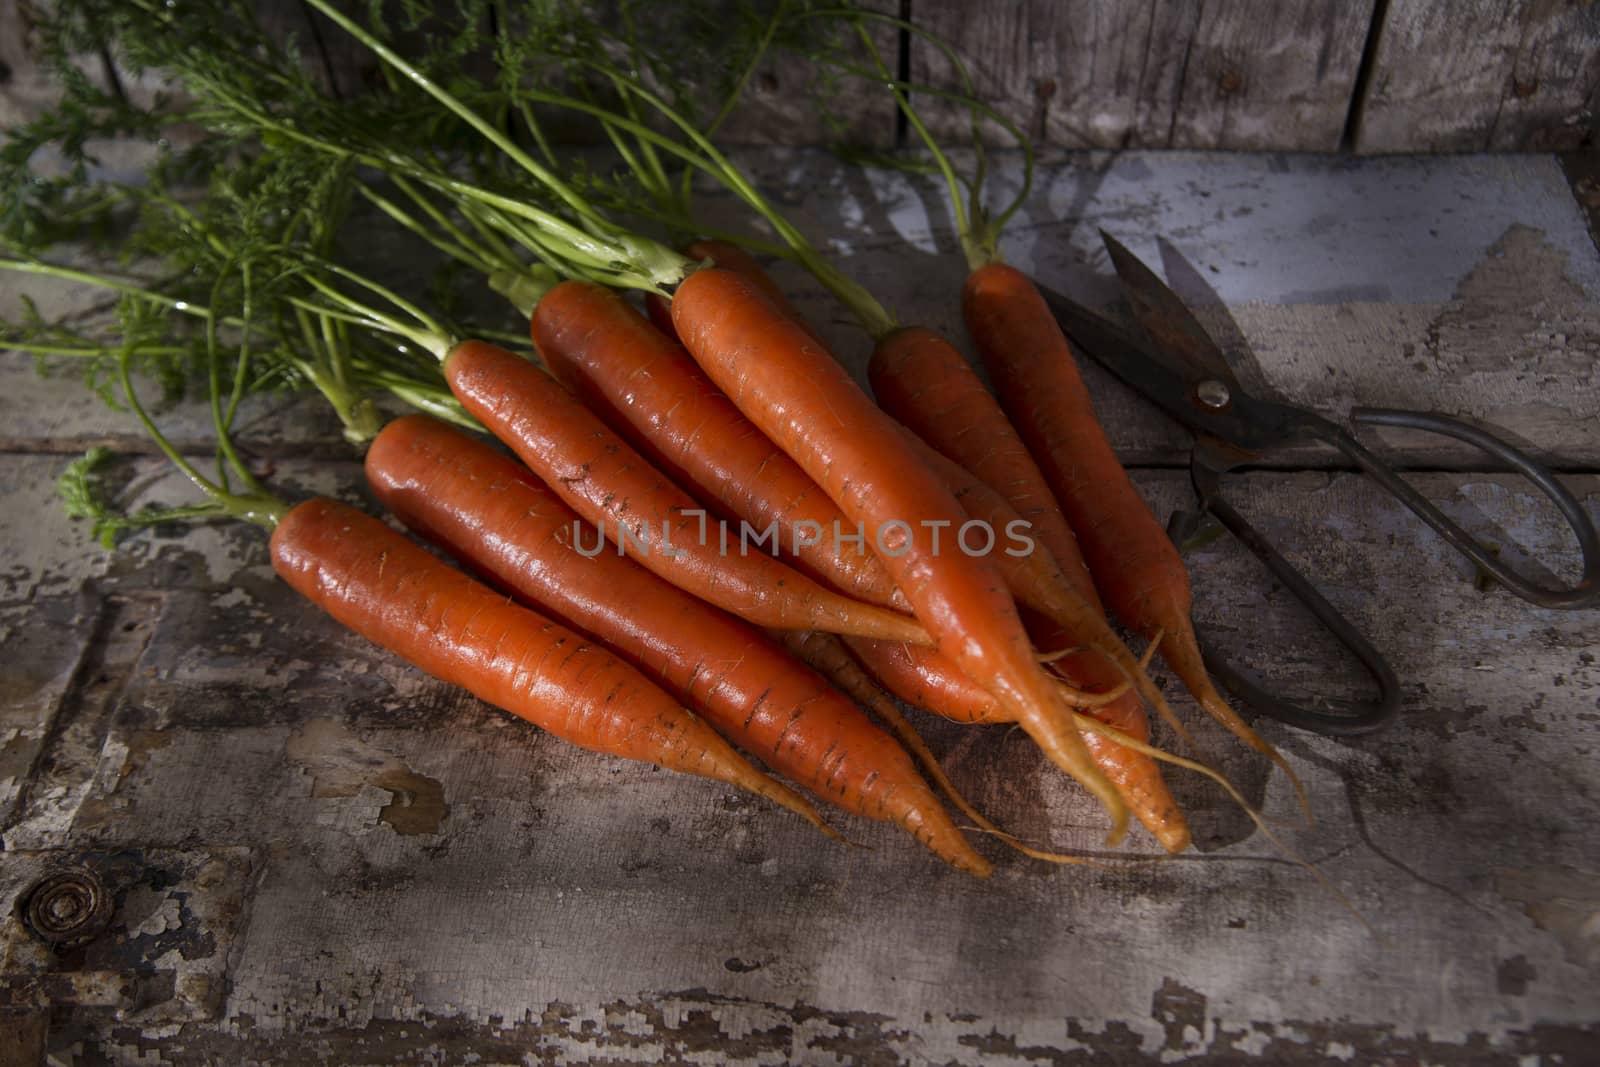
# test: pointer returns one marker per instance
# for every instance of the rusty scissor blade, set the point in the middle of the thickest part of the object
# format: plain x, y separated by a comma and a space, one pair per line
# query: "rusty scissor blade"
1171, 326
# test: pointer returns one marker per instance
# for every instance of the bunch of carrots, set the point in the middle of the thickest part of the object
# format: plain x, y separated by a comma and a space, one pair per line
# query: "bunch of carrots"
953, 549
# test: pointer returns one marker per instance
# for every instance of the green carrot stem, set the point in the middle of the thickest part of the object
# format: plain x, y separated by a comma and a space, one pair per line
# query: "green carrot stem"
873, 316
101, 281
258, 507
464, 252
545, 177
84, 352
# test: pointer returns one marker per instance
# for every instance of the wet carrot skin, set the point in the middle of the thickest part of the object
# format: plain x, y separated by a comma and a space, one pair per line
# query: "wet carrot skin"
730, 334
606, 480
1037, 380
392, 592
919, 376
1135, 566
1137, 775
644, 385
926, 384
1048, 602
485, 507
804, 401
729, 257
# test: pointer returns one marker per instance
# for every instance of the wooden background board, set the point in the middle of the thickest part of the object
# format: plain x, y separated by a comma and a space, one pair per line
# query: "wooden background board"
1257, 74
1465, 285
1484, 77
319, 855
1278, 75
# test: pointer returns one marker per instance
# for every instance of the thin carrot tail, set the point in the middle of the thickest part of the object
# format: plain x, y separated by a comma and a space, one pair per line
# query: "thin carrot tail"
702, 751
827, 655
1053, 727
1084, 698
1106, 643
1141, 782
1152, 692
1182, 653
837, 614
848, 675
1149, 652
895, 719
1113, 734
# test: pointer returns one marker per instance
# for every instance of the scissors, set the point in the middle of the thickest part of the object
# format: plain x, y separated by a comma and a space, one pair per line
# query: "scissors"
1171, 359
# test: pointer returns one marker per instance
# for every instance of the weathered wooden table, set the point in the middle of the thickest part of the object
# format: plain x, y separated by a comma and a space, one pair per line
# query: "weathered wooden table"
312, 853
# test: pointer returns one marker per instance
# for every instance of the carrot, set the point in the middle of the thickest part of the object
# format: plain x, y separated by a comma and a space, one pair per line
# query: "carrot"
486, 508
728, 258
1134, 563
919, 378
827, 654
1023, 576
605, 480
732, 258
644, 385
800, 397
1029, 578
926, 679
1038, 583
394, 593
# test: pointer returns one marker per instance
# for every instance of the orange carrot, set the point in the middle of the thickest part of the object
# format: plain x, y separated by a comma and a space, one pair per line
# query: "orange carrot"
602, 478
729, 257
486, 508
1038, 584
925, 377
800, 397
1134, 563
926, 679
827, 654
920, 379
395, 594
1033, 579
644, 385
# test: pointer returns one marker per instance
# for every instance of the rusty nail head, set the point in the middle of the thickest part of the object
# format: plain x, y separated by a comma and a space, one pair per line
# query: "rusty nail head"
1213, 394
66, 906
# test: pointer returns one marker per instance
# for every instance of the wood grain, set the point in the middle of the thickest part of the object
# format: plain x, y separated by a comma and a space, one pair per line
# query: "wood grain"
594, 908
1246, 74
1241, 74
1484, 77
321, 855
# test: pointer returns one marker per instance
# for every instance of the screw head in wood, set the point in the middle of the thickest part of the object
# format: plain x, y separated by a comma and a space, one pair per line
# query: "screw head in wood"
1212, 394
66, 906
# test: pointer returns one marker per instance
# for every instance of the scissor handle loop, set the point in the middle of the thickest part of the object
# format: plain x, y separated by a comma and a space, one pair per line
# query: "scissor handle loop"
1583, 594
1339, 718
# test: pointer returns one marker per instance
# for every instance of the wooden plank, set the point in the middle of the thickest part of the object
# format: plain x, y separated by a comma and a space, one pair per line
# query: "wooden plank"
1473, 77
24, 84
1246, 74
788, 101
1265, 76
1407, 285
587, 908
425, 869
